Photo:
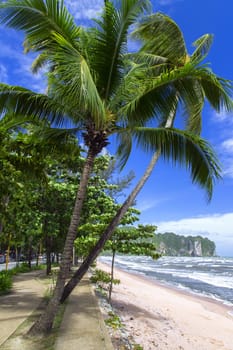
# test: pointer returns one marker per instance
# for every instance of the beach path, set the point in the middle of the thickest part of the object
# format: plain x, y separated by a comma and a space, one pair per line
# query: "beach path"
82, 325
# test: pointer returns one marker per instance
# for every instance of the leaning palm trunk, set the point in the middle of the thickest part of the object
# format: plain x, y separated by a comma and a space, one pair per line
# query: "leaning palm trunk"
78, 275
45, 322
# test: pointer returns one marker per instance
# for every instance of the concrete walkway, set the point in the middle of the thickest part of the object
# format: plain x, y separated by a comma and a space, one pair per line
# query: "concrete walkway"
82, 326
27, 293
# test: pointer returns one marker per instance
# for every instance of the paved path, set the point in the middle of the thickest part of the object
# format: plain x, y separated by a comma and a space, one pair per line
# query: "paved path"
82, 327
28, 290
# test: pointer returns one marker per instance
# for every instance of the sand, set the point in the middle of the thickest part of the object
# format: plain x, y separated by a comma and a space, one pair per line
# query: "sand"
160, 317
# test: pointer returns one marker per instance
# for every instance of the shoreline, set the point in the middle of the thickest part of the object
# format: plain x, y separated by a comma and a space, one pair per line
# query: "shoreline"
224, 308
164, 317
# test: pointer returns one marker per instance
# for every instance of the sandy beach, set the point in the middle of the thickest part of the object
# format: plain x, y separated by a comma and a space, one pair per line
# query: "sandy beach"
163, 318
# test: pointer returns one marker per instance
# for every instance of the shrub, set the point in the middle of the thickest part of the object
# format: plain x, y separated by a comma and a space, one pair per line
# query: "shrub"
102, 277
113, 321
23, 268
5, 282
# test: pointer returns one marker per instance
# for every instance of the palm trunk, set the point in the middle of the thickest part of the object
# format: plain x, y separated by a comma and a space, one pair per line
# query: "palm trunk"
45, 322
78, 275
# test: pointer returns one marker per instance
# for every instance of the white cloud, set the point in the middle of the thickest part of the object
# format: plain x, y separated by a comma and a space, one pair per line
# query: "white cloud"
147, 204
20, 67
3, 73
217, 227
167, 2
227, 145
224, 140
226, 151
84, 9
223, 116
35, 82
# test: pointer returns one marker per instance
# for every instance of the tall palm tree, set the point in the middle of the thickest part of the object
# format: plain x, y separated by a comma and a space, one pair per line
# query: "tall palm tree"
163, 50
95, 88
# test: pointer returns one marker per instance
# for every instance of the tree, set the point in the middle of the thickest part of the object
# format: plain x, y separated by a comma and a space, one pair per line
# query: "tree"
164, 48
101, 91
134, 241
33, 185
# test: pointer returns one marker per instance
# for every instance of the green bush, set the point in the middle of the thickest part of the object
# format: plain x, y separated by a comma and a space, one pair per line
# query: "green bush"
23, 268
114, 320
6, 277
5, 282
103, 277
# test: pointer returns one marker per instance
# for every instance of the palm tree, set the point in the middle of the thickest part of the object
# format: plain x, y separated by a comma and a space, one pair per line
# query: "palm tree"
95, 88
164, 49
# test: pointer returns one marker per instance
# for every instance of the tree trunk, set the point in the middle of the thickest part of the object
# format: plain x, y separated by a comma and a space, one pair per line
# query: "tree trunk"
8, 252
48, 262
112, 277
48, 255
78, 275
30, 254
17, 255
45, 322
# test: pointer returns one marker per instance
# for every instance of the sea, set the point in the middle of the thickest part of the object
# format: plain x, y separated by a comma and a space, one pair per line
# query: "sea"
204, 276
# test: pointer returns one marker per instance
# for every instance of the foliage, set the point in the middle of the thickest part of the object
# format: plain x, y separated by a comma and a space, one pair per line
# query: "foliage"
102, 278
24, 268
6, 277
37, 197
5, 282
134, 240
137, 347
114, 320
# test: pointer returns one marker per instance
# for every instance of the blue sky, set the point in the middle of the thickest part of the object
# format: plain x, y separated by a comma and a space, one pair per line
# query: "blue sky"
169, 199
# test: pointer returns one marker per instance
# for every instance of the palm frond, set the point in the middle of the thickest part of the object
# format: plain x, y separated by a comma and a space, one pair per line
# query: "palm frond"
9, 121
203, 45
73, 76
63, 141
217, 91
161, 36
124, 139
147, 58
192, 99
109, 42
39, 62
38, 19
23, 102
183, 148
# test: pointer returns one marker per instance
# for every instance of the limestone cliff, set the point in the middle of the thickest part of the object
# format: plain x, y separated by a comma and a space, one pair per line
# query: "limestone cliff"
176, 245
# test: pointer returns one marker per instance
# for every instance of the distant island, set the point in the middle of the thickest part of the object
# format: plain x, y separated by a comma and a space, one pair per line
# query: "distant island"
172, 244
